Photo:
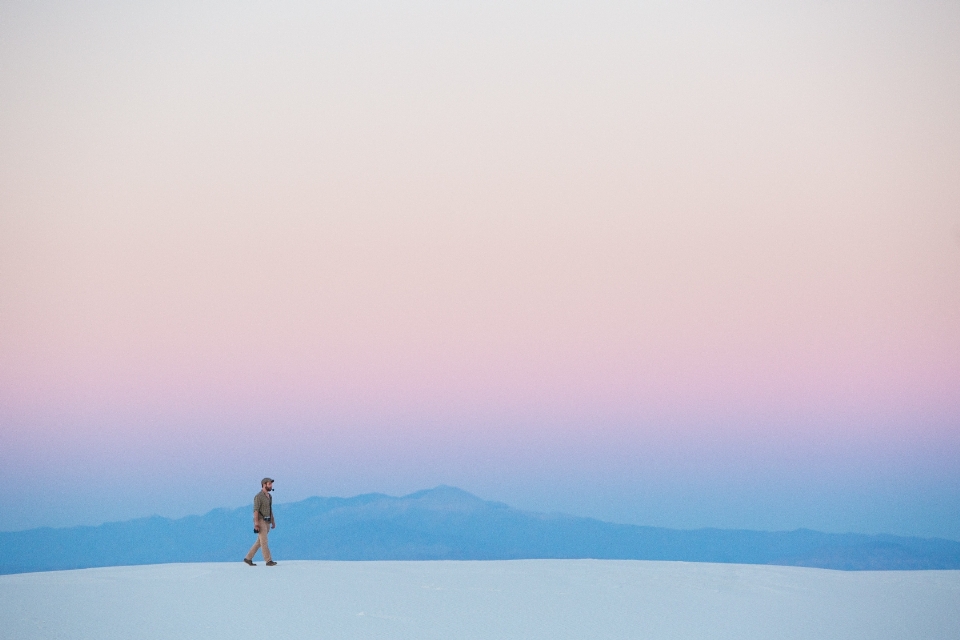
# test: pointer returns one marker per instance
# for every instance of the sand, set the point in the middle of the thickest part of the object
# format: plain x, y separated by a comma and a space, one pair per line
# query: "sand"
491, 600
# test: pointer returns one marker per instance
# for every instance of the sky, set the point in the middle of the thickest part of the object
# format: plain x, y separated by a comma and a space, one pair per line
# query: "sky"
682, 264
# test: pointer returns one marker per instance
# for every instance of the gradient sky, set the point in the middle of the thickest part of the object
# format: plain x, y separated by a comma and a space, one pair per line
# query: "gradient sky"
680, 264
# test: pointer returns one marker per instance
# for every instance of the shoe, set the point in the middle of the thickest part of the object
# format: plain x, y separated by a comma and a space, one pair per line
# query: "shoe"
271, 564
250, 562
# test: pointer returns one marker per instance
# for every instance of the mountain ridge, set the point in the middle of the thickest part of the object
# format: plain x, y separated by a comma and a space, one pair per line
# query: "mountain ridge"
447, 523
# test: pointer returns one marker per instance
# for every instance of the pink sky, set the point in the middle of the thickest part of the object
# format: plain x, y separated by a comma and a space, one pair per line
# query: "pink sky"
603, 259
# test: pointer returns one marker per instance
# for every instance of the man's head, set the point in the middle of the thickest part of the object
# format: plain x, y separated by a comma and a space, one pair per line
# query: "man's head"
267, 484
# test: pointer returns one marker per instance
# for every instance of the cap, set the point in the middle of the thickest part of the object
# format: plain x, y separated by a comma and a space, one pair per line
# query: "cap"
265, 481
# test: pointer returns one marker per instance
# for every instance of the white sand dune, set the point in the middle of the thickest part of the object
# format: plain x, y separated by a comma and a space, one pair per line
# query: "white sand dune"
462, 600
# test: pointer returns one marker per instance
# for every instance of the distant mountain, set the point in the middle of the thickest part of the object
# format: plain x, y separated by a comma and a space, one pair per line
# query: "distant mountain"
446, 523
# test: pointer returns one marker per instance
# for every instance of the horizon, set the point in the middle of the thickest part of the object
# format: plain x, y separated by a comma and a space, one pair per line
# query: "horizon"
678, 265
447, 523
460, 491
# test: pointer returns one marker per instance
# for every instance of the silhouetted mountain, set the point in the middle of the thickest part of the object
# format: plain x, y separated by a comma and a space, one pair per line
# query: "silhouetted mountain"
446, 523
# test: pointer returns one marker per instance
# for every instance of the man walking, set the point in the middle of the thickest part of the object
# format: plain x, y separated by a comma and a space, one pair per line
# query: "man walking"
263, 521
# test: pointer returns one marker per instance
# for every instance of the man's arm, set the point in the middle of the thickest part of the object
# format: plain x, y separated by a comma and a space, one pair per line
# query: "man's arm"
257, 506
